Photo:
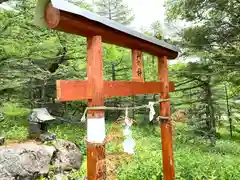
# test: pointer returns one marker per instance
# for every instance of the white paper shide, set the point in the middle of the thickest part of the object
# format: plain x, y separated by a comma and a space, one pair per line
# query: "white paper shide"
128, 144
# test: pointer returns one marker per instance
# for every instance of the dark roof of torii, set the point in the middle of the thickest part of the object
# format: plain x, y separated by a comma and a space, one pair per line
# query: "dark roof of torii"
70, 18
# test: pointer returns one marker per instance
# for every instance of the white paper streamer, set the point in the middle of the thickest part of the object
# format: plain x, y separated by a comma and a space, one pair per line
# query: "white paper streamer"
152, 111
128, 143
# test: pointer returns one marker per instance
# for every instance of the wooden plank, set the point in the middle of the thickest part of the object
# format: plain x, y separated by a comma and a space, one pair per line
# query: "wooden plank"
118, 88
75, 24
166, 126
72, 90
95, 154
137, 66
75, 90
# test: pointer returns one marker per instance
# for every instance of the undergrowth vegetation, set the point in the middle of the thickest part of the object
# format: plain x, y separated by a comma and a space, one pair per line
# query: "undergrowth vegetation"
194, 157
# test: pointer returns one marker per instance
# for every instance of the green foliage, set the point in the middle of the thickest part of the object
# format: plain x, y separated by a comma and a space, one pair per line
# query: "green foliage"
212, 36
157, 30
29, 53
17, 132
15, 121
14, 110
213, 29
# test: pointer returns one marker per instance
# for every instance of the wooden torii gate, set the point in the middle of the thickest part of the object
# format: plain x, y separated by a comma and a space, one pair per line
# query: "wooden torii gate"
64, 16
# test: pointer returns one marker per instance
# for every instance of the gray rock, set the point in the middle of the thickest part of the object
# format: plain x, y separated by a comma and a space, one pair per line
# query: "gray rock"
47, 137
60, 177
25, 161
68, 156
7, 178
28, 161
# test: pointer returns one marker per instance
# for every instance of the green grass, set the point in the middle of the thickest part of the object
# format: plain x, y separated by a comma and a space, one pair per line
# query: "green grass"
194, 158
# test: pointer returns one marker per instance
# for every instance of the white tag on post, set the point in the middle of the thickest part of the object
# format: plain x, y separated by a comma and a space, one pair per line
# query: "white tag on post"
96, 130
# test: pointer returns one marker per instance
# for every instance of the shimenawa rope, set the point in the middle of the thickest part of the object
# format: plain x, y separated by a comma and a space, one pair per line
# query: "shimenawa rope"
150, 106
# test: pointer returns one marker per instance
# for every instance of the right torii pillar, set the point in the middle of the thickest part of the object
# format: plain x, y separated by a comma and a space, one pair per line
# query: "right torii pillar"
166, 125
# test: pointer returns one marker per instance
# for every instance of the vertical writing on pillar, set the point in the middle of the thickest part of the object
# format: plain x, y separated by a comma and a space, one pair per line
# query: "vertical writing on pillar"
137, 66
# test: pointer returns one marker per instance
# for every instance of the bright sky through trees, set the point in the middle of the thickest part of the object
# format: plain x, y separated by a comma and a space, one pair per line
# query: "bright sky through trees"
146, 12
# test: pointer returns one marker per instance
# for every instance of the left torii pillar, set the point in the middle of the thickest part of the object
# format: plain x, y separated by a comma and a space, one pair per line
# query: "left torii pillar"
95, 119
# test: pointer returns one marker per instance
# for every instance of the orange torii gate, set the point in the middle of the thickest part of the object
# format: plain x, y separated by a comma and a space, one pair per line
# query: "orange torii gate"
64, 16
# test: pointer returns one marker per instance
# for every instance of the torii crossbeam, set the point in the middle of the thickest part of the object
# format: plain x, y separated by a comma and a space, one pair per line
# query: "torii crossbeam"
64, 16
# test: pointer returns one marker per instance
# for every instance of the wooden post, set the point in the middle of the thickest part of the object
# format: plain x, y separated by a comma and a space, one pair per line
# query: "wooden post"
166, 125
96, 123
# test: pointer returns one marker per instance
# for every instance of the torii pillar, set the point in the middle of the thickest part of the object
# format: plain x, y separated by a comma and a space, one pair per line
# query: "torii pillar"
166, 126
95, 153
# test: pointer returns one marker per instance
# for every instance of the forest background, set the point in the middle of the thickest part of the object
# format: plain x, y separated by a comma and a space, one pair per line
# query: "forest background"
206, 100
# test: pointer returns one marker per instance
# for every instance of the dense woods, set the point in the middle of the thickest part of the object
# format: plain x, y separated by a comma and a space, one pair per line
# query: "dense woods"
206, 76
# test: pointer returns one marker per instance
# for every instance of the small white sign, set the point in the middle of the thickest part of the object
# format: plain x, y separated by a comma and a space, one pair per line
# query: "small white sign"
96, 130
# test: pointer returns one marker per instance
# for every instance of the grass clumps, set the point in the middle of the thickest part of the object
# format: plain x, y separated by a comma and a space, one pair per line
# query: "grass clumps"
194, 158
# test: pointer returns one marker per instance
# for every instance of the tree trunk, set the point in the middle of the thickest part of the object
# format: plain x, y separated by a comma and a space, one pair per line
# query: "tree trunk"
43, 94
211, 114
229, 113
31, 96
113, 72
133, 104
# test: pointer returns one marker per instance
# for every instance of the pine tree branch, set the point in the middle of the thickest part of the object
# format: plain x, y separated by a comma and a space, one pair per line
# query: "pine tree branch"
188, 88
187, 102
119, 62
117, 70
186, 82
